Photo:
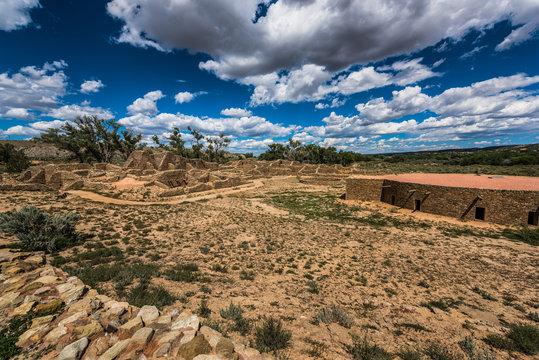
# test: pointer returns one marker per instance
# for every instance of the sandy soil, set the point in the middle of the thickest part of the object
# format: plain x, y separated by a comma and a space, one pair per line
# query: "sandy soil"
381, 274
127, 183
496, 182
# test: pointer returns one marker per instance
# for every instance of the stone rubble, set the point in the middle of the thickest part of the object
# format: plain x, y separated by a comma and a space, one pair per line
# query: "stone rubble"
74, 322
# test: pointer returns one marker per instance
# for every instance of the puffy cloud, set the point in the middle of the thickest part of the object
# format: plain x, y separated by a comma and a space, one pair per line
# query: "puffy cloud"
70, 112
33, 129
246, 126
407, 101
19, 113
91, 86
146, 105
490, 108
15, 14
250, 145
332, 34
33, 88
236, 112
313, 83
184, 97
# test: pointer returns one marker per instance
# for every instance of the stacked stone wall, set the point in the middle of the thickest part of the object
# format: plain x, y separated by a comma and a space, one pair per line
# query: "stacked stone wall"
507, 207
364, 189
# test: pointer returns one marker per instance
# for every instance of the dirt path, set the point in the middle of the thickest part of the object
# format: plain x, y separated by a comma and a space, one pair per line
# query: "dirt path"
88, 195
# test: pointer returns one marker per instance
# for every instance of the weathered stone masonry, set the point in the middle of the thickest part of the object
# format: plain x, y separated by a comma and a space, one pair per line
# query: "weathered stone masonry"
508, 207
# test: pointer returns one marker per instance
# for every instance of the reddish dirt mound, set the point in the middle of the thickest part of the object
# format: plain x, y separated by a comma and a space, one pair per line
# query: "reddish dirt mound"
496, 182
127, 183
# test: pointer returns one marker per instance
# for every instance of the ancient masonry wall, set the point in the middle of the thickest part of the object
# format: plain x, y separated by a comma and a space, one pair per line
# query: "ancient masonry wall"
507, 207
73, 322
364, 189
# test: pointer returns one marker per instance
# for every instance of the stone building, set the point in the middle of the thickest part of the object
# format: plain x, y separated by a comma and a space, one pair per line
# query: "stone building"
508, 200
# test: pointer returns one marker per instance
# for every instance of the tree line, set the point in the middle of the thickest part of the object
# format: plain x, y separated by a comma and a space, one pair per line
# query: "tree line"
311, 154
92, 139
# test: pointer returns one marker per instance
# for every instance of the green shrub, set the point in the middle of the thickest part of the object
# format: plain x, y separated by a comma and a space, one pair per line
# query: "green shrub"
410, 354
203, 309
522, 337
17, 162
144, 294
438, 351
36, 230
183, 272
525, 338
271, 337
233, 312
362, 349
334, 314
10, 335
121, 274
524, 234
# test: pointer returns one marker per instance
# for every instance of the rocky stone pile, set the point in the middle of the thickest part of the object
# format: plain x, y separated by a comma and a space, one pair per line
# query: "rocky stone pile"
70, 321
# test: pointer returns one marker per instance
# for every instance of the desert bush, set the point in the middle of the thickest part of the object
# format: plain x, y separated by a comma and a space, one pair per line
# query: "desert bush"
121, 274
469, 346
9, 336
439, 351
232, 312
203, 309
410, 354
525, 338
37, 230
524, 234
17, 162
183, 272
522, 337
362, 349
271, 337
144, 294
334, 314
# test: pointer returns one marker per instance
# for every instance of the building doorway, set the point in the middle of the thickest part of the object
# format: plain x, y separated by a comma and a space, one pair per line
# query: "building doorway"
392, 199
417, 206
479, 213
533, 217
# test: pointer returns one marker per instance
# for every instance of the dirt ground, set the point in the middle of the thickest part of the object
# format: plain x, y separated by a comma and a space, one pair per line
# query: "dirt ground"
289, 250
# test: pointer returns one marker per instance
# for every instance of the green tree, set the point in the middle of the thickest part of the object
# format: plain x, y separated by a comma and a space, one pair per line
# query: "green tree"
216, 147
91, 138
15, 160
176, 143
196, 145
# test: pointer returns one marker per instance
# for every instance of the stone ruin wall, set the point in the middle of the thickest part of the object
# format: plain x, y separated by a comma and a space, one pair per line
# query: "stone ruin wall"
507, 207
74, 322
364, 189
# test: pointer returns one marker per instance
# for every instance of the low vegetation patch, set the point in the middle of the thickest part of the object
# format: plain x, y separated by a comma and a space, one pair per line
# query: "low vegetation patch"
524, 234
334, 314
36, 230
271, 336
362, 349
522, 337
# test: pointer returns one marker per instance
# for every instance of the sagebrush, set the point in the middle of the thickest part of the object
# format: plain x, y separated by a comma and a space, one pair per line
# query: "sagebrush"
37, 230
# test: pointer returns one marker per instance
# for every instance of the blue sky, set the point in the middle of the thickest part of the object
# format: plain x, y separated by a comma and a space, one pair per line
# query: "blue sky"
368, 76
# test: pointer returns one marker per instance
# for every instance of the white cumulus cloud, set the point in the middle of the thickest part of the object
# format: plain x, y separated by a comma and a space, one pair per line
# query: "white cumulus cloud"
236, 112
147, 104
91, 86
15, 14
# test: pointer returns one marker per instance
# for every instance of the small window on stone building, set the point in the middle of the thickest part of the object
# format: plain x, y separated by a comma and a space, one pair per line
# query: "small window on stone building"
480, 213
533, 217
392, 199
417, 205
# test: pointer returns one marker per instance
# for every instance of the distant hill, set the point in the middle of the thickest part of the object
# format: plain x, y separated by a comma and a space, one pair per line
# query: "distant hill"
515, 148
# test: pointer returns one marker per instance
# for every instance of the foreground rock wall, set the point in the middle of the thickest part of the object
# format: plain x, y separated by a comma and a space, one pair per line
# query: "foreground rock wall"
72, 321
